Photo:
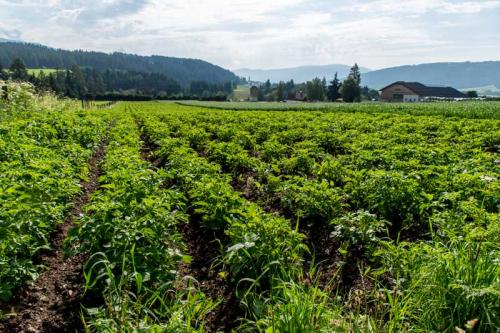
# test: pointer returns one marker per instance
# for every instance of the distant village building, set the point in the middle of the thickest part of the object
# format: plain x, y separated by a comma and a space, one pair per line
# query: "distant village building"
415, 92
254, 94
300, 96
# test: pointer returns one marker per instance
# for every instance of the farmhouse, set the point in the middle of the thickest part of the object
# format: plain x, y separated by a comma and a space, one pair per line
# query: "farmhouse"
415, 92
300, 96
254, 94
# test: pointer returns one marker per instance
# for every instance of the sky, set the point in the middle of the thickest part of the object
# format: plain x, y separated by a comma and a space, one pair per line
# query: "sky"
266, 33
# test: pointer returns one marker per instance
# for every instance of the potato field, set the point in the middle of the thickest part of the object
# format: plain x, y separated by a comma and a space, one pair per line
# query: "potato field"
161, 217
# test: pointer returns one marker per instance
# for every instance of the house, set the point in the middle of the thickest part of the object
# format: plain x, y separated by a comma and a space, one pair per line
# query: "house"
254, 94
300, 96
415, 92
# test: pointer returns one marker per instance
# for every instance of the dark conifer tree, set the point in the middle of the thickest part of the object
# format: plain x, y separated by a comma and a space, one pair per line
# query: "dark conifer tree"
18, 70
334, 89
351, 90
3, 74
280, 92
78, 83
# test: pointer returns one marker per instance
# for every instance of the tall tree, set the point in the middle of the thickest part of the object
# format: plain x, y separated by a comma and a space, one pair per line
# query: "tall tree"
68, 85
100, 87
280, 91
267, 87
77, 81
43, 81
91, 86
290, 89
351, 90
356, 74
3, 75
334, 88
472, 94
369, 94
18, 70
314, 90
58, 82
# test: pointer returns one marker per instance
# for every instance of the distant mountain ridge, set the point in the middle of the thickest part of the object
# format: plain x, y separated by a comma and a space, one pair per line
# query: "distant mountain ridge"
460, 75
181, 69
298, 74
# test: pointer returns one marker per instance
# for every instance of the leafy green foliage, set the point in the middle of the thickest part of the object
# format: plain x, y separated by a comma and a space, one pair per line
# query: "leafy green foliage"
406, 210
444, 286
358, 229
311, 200
372, 178
215, 202
44, 152
398, 198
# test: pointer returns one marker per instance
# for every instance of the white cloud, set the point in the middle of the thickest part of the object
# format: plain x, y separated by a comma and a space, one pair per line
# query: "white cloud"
411, 7
252, 33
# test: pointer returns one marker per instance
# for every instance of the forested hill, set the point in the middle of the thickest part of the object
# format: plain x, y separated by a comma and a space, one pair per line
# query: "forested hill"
460, 75
182, 70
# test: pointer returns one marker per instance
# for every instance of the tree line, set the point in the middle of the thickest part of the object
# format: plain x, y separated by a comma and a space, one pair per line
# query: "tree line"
112, 84
349, 90
183, 70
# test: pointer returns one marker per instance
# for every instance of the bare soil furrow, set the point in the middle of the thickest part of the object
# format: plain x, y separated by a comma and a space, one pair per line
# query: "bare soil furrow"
204, 248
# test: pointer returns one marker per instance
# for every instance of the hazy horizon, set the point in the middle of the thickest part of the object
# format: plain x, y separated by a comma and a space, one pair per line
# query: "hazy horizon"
281, 34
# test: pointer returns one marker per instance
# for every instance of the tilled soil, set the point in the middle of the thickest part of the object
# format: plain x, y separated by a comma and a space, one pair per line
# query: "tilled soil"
203, 250
51, 303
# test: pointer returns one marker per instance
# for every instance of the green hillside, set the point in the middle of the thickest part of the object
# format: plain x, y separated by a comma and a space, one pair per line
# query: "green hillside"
180, 69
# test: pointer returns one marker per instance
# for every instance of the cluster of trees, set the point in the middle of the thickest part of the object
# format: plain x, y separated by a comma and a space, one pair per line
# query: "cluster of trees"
349, 90
472, 94
90, 83
278, 92
183, 70
205, 90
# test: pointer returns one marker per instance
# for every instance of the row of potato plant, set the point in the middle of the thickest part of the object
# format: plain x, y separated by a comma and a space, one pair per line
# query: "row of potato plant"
131, 231
44, 149
462, 109
262, 252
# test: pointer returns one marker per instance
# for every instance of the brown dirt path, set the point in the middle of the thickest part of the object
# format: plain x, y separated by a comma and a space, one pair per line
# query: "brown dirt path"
51, 303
